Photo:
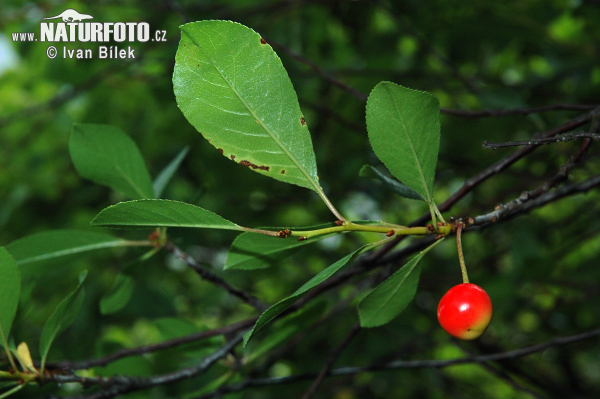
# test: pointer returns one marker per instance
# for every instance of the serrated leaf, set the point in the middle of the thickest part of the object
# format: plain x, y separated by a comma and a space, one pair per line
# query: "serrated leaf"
120, 295
233, 88
160, 213
106, 155
10, 289
51, 245
165, 175
401, 189
392, 296
63, 316
268, 315
404, 131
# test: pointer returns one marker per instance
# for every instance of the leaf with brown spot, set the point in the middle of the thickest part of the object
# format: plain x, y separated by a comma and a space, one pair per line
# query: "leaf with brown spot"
242, 100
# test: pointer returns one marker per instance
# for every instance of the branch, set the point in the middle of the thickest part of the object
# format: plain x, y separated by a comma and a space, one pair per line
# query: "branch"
324, 74
495, 113
141, 350
213, 278
335, 353
544, 140
507, 161
117, 385
407, 364
379, 257
520, 206
448, 111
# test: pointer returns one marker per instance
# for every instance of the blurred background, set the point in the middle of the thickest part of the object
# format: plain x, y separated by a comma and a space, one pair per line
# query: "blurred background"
541, 269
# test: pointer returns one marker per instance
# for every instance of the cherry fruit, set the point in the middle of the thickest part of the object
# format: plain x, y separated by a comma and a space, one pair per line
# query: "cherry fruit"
465, 311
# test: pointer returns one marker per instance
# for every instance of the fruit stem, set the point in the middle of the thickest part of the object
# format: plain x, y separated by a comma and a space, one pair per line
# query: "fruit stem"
461, 257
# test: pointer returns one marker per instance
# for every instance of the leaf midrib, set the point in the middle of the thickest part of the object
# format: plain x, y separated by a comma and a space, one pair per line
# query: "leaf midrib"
385, 303
412, 148
312, 181
72, 251
110, 161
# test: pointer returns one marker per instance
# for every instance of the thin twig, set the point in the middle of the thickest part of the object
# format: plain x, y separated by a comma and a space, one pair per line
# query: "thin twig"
519, 206
501, 372
544, 140
509, 160
117, 385
141, 350
495, 113
213, 278
379, 258
335, 353
321, 72
407, 364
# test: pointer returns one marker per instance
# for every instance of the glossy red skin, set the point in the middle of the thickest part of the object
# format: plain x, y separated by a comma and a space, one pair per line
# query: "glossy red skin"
465, 311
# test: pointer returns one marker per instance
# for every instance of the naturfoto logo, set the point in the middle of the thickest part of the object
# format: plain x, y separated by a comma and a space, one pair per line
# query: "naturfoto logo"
71, 26
72, 29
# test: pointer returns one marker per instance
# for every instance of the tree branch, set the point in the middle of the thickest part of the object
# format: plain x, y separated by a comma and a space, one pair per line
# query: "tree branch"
520, 206
495, 113
407, 364
335, 353
507, 161
324, 74
544, 140
117, 385
213, 278
141, 350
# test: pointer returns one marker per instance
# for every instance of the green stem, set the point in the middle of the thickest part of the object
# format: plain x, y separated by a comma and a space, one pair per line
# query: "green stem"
329, 204
438, 213
5, 375
260, 231
393, 231
10, 392
433, 213
461, 257
139, 243
8, 352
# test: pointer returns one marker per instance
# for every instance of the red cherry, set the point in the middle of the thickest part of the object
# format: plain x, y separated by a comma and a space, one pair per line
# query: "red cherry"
465, 311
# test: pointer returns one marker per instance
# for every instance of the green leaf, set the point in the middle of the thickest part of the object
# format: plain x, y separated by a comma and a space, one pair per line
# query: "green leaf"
394, 185
10, 289
108, 156
233, 88
275, 310
64, 315
392, 296
160, 213
118, 298
49, 245
404, 131
164, 177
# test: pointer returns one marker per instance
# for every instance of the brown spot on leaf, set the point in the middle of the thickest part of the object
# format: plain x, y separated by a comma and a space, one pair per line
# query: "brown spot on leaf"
232, 157
263, 41
302, 121
283, 171
220, 150
254, 166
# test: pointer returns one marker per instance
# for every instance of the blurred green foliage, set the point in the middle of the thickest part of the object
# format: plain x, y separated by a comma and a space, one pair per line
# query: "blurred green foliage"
541, 269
